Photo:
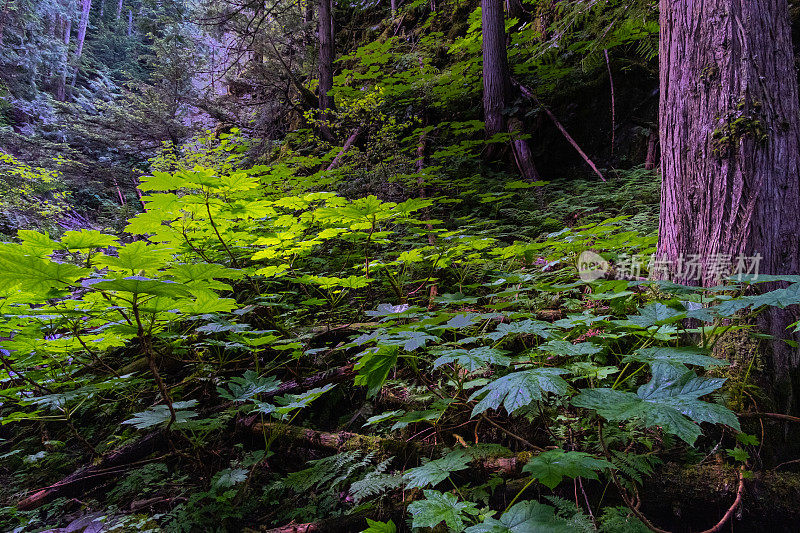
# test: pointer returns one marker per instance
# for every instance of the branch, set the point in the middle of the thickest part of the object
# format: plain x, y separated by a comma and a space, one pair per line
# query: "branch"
529, 94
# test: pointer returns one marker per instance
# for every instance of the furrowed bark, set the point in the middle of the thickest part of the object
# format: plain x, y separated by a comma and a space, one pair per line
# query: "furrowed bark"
730, 154
496, 81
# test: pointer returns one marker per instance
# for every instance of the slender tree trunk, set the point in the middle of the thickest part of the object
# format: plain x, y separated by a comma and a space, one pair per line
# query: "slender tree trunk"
496, 78
3, 20
130, 22
497, 88
118, 14
61, 89
730, 151
86, 7
326, 56
651, 160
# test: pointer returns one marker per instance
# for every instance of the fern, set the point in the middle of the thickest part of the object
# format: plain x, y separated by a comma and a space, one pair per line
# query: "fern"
579, 522
633, 465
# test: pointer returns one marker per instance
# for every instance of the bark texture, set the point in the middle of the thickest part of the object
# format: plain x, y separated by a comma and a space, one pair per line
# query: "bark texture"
496, 78
326, 56
730, 149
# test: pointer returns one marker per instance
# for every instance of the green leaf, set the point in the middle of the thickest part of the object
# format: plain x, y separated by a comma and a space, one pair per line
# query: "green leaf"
160, 415
525, 517
572, 350
380, 527
738, 454
676, 357
34, 274
374, 366
473, 359
87, 239
435, 471
527, 327
519, 389
137, 256
229, 477
656, 314
666, 401
550, 467
438, 507
462, 321
248, 387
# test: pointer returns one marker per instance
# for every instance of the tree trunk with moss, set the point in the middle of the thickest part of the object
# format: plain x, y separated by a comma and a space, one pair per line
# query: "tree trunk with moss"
730, 152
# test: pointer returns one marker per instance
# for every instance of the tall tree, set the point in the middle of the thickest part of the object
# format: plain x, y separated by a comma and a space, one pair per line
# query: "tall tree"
497, 87
61, 88
3, 20
730, 150
496, 78
86, 7
326, 55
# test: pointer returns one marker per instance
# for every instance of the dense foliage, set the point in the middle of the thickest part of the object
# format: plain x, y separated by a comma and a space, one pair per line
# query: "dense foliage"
251, 326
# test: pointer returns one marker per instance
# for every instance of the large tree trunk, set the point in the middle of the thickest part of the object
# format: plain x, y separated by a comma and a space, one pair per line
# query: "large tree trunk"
496, 78
326, 55
730, 150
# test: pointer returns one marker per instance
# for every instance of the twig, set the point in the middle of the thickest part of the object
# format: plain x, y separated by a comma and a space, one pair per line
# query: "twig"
529, 94
510, 434
777, 416
732, 509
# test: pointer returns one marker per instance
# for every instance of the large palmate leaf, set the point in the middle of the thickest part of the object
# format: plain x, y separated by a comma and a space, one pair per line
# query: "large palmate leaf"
527, 327
568, 349
473, 359
374, 366
677, 357
525, 517
436, 471
667, 400
34, 274
656, 314
440, 507
160, 415
550, 467
519, 389
248, 387
137, 256
87, 239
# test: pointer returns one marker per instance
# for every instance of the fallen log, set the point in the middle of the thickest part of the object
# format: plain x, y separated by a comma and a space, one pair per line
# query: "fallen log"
113, 463
504, 466
89, 476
